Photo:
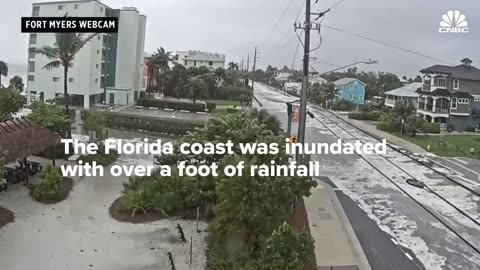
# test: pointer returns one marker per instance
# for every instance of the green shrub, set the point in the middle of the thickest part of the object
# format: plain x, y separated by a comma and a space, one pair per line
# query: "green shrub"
429, 127
233, 93
232, 109
100, 158
130, 122
171, 104
343, 105
141, 94
49, 186
367, 116
211, 106
387, 123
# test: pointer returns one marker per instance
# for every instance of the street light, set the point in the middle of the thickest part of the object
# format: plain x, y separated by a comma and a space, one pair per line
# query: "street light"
303, 103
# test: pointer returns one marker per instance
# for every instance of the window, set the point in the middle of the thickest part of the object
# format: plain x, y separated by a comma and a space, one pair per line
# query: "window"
210, 63
351, 97
31, 66
194, 63
351, 86
98, 51
456, 84
98, 37
97, 66
101, 9
454, 103
56, 79
31, 53
75, 6
33, 39
185, 62
60, 7
442, 82
31, 78
477, 99
36, 11
463, 101
70, 80
96, 80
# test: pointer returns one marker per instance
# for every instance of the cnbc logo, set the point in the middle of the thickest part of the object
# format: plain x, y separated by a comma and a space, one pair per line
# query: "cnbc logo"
453, 22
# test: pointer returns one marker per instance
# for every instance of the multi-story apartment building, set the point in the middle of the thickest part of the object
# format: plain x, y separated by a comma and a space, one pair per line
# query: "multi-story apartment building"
109, 68
451, 94
199, 59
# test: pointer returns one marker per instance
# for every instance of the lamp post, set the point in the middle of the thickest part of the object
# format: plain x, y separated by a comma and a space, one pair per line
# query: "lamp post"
303, 102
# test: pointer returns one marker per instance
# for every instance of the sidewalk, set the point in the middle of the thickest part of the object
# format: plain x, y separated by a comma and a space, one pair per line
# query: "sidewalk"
336, 245
373, 131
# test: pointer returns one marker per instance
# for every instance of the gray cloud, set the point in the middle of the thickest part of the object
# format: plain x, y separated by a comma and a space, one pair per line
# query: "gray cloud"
234, 27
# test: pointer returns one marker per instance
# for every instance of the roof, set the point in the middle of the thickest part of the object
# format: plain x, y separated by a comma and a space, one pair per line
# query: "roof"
285, 69
203, 56
462, 95
22, 138
344, 81
463, 72
437, 92
317, 79
408, 90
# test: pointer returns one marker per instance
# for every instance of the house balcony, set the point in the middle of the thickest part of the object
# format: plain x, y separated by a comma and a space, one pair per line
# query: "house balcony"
434, 107
390, 103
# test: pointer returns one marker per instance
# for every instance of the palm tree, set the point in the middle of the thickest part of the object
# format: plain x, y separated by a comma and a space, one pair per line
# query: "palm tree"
63, 52
232, 66
3, 71
197, 88
157, 66
17, 83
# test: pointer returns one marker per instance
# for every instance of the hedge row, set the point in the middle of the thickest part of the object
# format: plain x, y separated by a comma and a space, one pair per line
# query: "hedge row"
368, 116
233, 93
129, 122
171, 104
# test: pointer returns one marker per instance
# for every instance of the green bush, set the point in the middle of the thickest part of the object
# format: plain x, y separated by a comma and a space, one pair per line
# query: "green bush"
49, 186
233, 93
387, 123
130, 122
343, 105
171, 104
429, 127
101, 158
211, 106
232, 109
367, 116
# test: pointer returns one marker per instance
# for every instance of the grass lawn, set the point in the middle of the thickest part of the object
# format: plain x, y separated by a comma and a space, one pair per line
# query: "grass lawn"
463, 142
224, 102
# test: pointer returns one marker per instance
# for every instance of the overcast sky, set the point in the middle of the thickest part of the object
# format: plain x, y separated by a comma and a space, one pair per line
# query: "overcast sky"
234, 27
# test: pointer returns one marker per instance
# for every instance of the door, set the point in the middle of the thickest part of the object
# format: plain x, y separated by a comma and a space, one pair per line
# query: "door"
112, 98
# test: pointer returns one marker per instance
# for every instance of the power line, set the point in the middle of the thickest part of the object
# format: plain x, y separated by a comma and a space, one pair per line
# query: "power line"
296, 51
387, 44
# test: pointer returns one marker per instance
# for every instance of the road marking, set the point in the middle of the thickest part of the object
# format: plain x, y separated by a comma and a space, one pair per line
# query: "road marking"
408, 256
461, 166
394, 241
461, 161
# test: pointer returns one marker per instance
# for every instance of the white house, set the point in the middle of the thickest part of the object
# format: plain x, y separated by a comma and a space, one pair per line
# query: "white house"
108, 68
283, 74
405, 94
199, 59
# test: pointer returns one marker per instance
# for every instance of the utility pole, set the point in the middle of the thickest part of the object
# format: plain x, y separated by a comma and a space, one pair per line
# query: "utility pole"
248, 62
255, 57
306, 65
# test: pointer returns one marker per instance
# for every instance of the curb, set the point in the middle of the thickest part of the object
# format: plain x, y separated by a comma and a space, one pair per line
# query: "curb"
355, 243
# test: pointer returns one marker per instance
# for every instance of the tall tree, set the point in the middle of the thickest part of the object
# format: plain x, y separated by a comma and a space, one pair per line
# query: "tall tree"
177, 80
62, 54
192, 71
232, 66
197, 87
203, 70
3, 71
17, 83
219, 74
157, 69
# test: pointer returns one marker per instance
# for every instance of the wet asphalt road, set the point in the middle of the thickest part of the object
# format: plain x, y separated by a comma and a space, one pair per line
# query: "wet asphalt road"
395, 232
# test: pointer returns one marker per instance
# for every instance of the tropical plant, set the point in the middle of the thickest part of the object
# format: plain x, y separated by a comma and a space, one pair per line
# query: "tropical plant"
203, 70
51, 117
219, 74
197, 88
62, 54
3, 71
10, 102
157, 70
192, 71
49, 186
177, 81
95, 121
16, 83
232, 66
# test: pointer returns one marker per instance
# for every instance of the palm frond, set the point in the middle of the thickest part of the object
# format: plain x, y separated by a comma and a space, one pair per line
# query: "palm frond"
49, 52
52, 65
79, 42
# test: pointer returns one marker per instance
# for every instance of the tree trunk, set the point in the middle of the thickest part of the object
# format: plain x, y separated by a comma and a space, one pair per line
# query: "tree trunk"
66, 98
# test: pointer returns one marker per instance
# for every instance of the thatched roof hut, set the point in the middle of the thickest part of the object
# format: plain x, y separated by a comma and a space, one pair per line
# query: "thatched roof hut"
22, 138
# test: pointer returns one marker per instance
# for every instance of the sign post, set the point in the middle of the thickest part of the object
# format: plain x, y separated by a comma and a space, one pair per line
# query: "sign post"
443, 128
296, 114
